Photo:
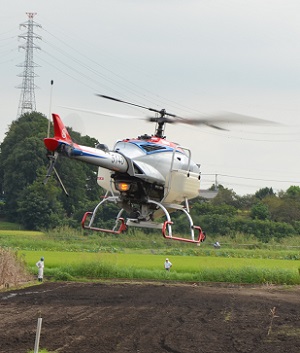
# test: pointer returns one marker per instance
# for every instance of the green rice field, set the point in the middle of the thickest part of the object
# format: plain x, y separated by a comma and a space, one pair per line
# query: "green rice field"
70, 265
74, 256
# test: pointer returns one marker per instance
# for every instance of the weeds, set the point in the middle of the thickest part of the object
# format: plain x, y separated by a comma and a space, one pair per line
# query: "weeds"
273, 316
12, 269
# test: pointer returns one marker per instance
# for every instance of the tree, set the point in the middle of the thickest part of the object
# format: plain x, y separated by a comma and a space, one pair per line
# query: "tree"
260, 211
225, 196
22, 152
293, 191
39, 206
23, 163
283, 209
264, 192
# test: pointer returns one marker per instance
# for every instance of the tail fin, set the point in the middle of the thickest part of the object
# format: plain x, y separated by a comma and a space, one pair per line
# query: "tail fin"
60, 131
60, 134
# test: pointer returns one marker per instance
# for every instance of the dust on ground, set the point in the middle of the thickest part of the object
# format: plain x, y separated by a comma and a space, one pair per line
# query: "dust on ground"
151, 317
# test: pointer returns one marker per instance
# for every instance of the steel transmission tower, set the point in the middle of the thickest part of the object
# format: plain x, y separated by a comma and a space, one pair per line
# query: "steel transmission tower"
27, 97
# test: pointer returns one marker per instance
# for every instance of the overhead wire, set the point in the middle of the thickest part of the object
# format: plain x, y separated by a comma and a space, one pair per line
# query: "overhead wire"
125, 85
122, 83
135, 89
287, 181
112, 81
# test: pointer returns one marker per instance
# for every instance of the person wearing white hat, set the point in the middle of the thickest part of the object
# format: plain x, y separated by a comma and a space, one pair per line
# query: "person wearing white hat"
168, 265
40, 266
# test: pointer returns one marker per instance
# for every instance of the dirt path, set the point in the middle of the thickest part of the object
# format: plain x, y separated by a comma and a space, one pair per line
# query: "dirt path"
146, 318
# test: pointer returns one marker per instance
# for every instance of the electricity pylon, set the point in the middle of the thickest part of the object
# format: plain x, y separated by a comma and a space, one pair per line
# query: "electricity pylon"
27, 97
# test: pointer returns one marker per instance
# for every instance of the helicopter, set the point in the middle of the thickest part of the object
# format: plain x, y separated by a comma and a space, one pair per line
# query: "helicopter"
147, 177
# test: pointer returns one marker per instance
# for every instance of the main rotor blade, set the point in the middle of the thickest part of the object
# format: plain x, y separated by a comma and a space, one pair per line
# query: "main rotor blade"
135, 105
217, 120
96, 112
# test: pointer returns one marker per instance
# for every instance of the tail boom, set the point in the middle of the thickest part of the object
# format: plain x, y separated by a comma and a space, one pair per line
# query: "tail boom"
63, 144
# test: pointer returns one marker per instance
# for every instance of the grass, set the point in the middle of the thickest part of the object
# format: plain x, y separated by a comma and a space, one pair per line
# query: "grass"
21, 233
68, 265
71, 255
67, 239
152, 262
9, 226
41, 351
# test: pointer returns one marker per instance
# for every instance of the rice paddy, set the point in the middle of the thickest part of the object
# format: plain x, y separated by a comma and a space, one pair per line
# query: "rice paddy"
78, 257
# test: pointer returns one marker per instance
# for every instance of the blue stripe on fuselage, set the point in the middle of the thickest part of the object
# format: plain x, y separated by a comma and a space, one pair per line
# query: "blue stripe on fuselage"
142, 144
80, 153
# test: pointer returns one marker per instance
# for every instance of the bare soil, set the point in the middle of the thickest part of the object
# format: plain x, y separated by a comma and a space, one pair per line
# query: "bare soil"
151, 317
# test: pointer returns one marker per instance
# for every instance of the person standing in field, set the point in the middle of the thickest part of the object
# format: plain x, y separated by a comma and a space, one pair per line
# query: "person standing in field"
168, 265
217, 245
40, 265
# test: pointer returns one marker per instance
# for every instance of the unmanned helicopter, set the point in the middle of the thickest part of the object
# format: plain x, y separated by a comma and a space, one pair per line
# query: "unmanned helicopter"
147, 177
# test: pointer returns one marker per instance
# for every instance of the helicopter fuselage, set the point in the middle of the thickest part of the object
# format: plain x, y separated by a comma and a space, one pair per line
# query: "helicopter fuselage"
151, 162
148, 177
137, 169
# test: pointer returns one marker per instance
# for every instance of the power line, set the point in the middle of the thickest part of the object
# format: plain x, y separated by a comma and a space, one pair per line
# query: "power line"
251, 178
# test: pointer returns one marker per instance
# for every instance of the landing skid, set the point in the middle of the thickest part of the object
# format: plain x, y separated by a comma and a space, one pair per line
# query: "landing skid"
122, 225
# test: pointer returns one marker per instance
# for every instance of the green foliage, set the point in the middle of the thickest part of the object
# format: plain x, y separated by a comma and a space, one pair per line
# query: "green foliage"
22, 152
204, 208
264, 192
2, 209
10, 226
39, 207
283, 209
216, 224
225, 196
264, 230
60, 275
249, 275
293, 191
23, 166
260, 211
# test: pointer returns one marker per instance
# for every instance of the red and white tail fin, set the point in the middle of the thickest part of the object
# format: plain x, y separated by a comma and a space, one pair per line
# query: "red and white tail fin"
60, 131
61, 135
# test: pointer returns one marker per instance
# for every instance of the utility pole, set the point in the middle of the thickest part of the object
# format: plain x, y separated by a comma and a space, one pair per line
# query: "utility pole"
27, 97
216, 181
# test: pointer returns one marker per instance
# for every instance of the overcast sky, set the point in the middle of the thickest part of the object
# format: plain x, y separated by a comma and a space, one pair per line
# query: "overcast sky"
191, 57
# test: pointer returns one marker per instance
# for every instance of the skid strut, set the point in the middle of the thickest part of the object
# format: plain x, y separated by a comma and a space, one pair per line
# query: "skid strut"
122, 225
89, 225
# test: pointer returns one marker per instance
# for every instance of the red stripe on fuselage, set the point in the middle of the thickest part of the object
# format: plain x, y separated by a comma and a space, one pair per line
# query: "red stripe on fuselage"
156, 140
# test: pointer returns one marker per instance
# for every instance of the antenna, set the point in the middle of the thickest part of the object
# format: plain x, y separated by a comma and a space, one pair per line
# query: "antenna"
50, 108
216, 182
27, 97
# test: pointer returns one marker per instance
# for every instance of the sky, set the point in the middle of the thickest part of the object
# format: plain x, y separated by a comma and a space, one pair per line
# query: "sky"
193, 58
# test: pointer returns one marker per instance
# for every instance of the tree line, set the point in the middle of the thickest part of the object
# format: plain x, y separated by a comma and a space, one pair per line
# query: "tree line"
27, 200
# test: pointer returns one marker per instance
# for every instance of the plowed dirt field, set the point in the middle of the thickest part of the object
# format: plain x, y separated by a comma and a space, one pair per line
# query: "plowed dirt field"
151, 317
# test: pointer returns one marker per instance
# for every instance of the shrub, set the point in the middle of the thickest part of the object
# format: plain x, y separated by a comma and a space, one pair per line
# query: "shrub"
12, 269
